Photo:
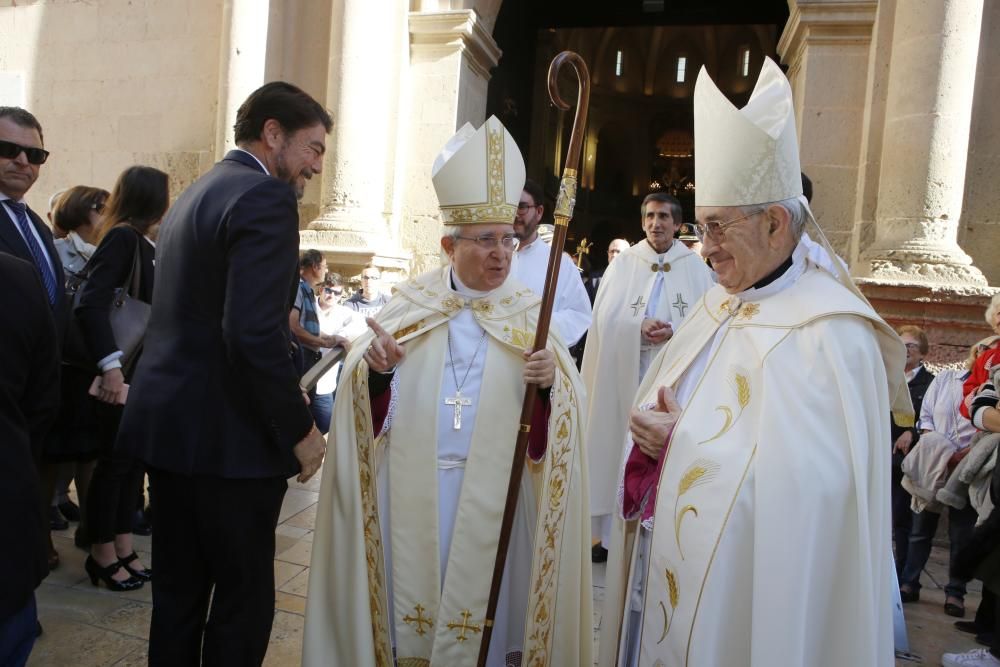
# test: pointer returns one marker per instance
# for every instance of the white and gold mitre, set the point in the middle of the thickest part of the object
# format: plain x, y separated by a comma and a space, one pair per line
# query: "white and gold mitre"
750, 155
479, 175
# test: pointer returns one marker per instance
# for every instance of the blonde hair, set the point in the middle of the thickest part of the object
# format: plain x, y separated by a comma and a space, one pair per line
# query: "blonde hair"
991, 310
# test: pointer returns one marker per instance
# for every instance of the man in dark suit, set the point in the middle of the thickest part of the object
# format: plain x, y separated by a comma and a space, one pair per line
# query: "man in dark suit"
22, 232
29, 400
215, 409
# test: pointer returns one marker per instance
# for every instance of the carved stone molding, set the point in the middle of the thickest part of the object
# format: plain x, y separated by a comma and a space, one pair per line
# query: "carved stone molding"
437, 34
824, 22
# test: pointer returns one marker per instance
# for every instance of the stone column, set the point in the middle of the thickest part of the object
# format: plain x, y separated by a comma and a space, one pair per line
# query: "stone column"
243, 53
451, 54
925, 146
826, 46
367, 46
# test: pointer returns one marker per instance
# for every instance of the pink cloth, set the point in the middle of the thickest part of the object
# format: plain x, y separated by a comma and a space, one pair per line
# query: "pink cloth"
642, 473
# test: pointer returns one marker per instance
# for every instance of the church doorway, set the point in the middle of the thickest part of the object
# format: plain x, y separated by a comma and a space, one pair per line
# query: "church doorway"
644, 57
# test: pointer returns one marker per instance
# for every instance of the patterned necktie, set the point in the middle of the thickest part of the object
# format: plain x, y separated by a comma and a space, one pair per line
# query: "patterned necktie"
21, 218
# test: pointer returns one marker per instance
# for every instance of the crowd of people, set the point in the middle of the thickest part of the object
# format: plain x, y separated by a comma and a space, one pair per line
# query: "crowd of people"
180, 356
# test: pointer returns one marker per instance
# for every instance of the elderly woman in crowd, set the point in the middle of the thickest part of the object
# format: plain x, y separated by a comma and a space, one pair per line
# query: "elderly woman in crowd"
137, 203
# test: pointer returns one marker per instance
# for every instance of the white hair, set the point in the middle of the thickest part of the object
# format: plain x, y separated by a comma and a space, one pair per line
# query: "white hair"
991, 310
796, 210
451, 231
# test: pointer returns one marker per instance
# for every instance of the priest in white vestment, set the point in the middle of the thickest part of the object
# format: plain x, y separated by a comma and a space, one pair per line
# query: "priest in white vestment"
425, 421
755, 484
644, 296
571, 312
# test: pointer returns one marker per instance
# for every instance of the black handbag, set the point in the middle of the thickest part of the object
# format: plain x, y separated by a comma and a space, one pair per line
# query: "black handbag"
129, 317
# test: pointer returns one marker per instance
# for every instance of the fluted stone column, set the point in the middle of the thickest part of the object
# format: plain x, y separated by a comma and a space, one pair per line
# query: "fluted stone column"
366, 62
925, 145
243, 51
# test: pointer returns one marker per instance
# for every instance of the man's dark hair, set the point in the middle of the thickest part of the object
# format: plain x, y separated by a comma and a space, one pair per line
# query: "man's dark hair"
333, 279
536, 192
676, 210
807, 187
292, 107
24, 118
310, 259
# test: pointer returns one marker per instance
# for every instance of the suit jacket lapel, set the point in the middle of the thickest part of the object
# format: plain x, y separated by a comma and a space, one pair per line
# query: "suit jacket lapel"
11, 241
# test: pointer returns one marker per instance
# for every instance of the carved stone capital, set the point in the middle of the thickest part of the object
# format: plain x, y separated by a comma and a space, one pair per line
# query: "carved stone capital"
825, 22
437, 34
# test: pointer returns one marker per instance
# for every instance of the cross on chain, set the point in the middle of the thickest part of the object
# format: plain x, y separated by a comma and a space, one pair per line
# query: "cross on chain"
457, 401
464, 625
637, 305
680, 304
419, 620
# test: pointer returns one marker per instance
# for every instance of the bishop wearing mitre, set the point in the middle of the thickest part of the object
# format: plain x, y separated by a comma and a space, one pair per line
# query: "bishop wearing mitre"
755, 485
425, 421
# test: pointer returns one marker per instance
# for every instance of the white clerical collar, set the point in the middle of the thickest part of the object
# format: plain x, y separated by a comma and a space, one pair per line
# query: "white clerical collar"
786, 279
462, 289
661, 256
255, 158
531, 244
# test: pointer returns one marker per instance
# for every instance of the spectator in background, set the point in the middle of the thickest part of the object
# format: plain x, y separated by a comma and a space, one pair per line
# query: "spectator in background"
986, 360
53, 201
904, 437
71, 452
138, 201
939, 413
370, 299
340, 322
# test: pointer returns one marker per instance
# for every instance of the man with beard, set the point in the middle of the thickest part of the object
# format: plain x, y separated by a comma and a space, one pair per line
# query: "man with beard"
571, 312
215, 410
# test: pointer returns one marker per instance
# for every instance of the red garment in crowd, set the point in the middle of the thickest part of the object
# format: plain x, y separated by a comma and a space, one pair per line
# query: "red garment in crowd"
980, 374
642, 473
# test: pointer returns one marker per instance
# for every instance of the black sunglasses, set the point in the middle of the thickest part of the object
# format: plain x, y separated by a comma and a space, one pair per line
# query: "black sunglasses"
9, 150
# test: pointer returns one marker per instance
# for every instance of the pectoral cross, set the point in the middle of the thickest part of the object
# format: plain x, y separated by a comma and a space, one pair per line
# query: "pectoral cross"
637, 305
464, 626
581, 250
457, 401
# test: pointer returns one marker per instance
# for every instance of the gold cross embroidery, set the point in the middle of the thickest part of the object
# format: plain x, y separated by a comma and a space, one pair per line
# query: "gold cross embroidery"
419, 620
465, 625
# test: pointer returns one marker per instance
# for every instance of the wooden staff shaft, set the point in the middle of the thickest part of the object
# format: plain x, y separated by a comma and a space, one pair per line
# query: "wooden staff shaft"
563, 213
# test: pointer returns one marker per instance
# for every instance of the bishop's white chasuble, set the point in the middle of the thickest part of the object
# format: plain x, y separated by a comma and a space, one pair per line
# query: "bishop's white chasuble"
770, 538
408, 519
611, 361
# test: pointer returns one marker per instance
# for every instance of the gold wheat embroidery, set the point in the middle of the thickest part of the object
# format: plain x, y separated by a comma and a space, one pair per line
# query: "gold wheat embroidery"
702, 471
673, 594
741, 384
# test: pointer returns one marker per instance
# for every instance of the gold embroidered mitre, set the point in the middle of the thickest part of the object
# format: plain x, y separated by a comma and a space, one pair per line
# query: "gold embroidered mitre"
750, 155
478, 176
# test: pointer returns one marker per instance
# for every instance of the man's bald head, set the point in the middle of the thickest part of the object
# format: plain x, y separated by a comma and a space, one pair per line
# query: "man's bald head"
615, 248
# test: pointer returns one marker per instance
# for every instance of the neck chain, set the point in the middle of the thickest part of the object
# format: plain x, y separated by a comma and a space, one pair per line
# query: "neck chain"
451, 362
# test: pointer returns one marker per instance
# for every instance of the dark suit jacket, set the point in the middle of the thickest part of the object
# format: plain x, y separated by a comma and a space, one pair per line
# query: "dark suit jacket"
29, 401
216, 392
12, 243
108, 269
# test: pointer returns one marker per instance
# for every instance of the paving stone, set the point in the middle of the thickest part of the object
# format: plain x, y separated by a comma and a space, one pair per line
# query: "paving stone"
299, 553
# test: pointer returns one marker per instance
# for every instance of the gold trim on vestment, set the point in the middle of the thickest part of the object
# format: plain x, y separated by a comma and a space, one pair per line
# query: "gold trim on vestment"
369, 504
538, 642
495, 209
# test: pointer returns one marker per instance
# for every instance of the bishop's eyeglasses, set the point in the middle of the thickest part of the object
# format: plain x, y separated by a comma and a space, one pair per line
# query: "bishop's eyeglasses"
490, 241
716, 230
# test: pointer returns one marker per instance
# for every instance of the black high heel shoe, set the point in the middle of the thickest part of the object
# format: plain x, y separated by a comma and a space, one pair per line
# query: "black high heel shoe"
96, 572
141, 575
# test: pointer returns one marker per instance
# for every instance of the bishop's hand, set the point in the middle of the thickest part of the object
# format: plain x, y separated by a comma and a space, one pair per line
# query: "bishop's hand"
656, 331
384, 352
651, 428
539, 368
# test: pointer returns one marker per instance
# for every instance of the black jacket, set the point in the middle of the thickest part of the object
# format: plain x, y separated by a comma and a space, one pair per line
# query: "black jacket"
12, 243
918, 387
108, 269
216, 392
29, 401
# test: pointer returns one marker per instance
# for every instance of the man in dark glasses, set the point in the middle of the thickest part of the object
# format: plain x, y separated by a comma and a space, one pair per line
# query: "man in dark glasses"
22, 232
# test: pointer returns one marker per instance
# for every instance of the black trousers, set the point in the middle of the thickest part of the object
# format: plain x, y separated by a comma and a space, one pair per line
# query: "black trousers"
116, 481
902, 516
214, 541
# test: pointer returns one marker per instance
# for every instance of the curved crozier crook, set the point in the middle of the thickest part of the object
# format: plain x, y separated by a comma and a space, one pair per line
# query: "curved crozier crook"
582, 99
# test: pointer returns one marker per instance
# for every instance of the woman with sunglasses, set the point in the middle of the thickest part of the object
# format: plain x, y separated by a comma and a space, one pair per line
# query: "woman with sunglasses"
137, 203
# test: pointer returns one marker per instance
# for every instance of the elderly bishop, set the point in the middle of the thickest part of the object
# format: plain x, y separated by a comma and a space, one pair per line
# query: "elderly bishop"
756, 478
425, 423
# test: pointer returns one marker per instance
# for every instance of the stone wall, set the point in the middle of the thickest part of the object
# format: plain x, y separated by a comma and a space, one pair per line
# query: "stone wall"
116, 83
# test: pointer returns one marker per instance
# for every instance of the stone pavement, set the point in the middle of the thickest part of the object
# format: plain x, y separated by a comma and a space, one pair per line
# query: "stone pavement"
91, 627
